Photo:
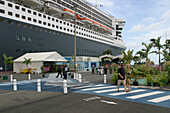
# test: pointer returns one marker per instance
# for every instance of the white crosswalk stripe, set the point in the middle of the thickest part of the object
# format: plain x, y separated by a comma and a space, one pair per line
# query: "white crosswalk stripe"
144, 95
109, 90
96, 88
88, 86
160, 99
124, 93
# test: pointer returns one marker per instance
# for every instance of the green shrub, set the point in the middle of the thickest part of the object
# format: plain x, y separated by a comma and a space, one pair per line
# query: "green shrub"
149, 78
114, 77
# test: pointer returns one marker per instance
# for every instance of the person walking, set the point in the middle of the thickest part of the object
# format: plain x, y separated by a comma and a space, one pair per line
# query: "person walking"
65, 70
1, 68
93, 69
121, 77
128, 72
105, 70
59, 71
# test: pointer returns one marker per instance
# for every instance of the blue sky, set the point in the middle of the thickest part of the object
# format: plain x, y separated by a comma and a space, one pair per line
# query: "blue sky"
145, 19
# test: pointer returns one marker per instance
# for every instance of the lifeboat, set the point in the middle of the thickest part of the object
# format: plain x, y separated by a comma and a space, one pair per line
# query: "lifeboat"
78, 17
69, 12
103, 27
96, 24
87, 20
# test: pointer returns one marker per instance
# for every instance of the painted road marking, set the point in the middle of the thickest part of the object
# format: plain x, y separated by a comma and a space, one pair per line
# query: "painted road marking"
124, 93
88, 86
160, 99
88, 89
104, 101
145, 95
109, 90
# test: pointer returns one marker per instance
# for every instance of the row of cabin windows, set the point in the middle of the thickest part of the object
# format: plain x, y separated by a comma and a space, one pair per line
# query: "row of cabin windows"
49, 31
23, 38
29, 11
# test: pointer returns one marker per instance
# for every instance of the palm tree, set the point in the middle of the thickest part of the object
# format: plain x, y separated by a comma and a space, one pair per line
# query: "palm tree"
157, 44
128, 57
166, 50
136, 58
7, 60
27, 61
145, 52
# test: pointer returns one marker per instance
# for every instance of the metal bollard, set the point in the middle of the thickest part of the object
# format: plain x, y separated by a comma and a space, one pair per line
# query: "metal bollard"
105, 79
15, 85
74, 76
11, 78
65, 86
29, 76
38, 85
80, 78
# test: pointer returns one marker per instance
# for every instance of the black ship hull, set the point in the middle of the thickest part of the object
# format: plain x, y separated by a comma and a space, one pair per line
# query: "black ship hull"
17, 38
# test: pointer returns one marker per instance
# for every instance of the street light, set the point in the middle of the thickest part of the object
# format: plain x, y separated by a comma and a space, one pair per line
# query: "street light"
75, 36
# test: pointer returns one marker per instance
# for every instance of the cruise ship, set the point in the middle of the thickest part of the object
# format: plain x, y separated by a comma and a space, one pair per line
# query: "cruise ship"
28, 26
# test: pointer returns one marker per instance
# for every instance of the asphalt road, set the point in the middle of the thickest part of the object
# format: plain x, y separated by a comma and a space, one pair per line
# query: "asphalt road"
73, 103
53, 102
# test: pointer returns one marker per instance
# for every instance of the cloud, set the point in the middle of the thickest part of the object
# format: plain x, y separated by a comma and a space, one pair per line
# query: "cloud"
166, 15
137, 28
132, 44
149, 19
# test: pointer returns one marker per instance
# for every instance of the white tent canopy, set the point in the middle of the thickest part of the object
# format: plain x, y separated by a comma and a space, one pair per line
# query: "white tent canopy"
111, 56
37, 60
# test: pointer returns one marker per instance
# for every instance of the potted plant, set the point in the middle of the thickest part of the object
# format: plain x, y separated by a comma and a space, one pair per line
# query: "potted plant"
115, 78
149, 79
110, 70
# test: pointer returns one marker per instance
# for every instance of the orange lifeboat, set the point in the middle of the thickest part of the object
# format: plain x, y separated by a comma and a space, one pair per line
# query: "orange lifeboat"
103, 27
96, 24
78, 17
87, 20
69, 12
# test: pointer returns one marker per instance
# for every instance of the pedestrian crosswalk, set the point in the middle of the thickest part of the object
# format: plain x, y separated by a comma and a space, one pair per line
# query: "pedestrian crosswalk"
149, 96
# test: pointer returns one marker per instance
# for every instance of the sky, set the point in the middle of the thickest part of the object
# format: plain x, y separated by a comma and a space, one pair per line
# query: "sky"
145, 19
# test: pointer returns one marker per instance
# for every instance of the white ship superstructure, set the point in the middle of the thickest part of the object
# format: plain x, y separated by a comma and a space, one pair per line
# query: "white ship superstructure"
36, 25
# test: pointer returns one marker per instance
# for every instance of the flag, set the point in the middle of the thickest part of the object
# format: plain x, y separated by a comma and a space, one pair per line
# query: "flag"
101, 5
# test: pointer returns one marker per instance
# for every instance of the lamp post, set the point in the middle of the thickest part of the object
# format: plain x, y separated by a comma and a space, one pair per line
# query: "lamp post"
75, 37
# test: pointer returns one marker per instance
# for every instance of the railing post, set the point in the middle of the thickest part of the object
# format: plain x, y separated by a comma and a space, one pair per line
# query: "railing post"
38, 85
105, 78
65, 86
11, 78
80, 78
29, 76
15, 85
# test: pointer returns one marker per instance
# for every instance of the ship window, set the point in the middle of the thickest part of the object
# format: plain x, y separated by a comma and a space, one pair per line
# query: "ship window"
2, 2
53, 25
24, 25
16, 7
29, 39
71, 25
39, 14
10, 5
49, 18
23, 17
30, 26
49, 31
39, 22
29, 18
10, 13
17, 37
61, 22
34, 13
10, 22
60, 27
71, 31
52, 19
44, 23
34, 20
56, 20
23, 9
23, 38
64, 23
64, 29
49, 24
29, 11
67, 24
44, 16
17, 15
67, 29
2, 11
40, 29
57, 26
45, 30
